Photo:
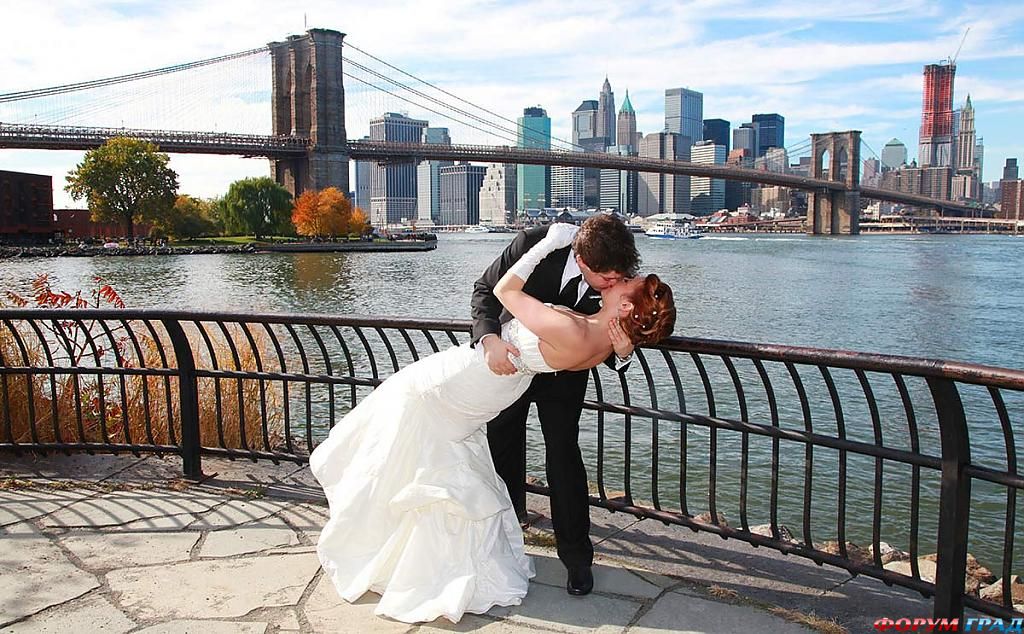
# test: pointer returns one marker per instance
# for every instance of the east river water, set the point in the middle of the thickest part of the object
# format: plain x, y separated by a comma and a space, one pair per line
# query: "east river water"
953, 297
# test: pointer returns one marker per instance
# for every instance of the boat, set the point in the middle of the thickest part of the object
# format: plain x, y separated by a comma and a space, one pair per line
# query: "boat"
684, 231
476, 229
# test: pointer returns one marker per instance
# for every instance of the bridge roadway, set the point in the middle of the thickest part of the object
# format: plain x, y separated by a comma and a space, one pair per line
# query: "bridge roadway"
283, 147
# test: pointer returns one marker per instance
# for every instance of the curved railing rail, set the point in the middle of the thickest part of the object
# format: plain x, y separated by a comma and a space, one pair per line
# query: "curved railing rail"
806, 451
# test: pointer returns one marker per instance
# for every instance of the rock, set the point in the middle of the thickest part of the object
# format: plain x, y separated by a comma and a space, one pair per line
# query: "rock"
977, 575
785, 534
889, 553
854, 553
994, 592
706, 518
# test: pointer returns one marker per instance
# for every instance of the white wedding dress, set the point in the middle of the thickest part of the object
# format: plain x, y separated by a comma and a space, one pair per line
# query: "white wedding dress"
417, 512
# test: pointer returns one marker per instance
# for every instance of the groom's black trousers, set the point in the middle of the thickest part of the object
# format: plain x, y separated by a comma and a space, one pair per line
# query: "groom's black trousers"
559, 397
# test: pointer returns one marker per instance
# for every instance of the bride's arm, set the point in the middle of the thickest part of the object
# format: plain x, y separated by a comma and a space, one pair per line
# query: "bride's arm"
544, 321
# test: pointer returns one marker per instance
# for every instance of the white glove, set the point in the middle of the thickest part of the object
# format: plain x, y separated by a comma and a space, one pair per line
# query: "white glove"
559, 236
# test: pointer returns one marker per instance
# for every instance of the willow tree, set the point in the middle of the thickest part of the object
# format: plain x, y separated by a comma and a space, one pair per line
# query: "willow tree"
258, 206
125, 181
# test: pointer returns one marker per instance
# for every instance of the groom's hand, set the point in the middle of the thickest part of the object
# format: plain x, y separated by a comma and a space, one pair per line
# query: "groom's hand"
496, 352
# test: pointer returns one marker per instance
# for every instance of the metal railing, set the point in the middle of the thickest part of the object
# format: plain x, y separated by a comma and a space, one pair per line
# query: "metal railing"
737, 439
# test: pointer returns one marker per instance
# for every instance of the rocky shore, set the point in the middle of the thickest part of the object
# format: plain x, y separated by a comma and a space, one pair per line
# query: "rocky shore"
71, 251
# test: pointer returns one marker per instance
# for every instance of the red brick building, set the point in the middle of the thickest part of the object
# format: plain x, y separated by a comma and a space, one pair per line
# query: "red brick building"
1011, 199
26, 207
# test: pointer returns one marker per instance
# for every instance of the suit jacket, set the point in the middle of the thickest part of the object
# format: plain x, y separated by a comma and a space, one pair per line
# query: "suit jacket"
544, 284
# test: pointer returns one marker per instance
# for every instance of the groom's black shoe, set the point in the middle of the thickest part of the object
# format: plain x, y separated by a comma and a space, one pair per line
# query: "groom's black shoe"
580, 581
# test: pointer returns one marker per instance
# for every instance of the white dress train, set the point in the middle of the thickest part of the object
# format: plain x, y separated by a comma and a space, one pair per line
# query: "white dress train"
417, 512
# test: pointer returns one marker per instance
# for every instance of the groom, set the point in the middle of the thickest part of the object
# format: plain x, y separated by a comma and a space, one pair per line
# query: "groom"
602, 255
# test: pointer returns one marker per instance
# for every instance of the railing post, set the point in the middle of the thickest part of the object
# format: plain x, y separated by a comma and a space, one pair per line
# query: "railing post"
188, 399
954, 500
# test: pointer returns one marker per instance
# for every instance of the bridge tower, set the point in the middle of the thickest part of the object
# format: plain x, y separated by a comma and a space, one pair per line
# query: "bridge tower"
836, 156
308, 100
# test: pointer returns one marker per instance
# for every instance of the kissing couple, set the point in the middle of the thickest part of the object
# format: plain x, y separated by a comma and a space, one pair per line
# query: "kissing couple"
425, 477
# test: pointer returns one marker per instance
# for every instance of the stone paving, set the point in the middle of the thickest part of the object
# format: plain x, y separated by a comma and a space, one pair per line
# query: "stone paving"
122, 544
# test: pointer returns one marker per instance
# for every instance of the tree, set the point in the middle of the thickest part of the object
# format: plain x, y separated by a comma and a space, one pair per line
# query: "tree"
359, 223
258, 206
322, 214
124, 180
189, 218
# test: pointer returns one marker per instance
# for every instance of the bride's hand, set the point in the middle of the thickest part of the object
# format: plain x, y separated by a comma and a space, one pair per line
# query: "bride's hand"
561, 234
621, 344
496, 351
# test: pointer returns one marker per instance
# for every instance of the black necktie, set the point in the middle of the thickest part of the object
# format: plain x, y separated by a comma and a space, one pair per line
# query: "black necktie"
570, 294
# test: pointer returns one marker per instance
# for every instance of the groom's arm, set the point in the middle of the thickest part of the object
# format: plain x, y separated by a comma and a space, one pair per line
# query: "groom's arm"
485, 308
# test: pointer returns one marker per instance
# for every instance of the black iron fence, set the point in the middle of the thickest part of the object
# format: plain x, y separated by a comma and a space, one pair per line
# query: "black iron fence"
807, 451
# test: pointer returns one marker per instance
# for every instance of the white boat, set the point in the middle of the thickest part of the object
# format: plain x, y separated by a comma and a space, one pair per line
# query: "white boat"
476, 229
674, 232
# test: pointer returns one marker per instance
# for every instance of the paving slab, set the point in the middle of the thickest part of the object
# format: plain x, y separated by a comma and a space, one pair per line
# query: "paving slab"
21, 505
222, 588
35, 574
327, 612
206, 627
235, 512
286, 621
307, 519
107, 551
609, 577
118, 508
77, 466
250, 538
689, 615
90, 613
551, 608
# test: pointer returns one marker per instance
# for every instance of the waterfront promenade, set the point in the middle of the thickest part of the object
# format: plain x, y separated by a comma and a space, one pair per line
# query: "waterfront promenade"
122, 544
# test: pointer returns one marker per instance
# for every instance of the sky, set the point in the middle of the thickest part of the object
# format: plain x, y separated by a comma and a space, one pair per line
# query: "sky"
824, 65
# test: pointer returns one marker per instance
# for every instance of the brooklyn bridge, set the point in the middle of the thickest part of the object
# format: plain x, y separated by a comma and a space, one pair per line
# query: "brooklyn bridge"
309, 147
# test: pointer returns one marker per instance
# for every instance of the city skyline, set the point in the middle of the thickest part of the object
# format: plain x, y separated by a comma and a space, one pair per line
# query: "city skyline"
823, 65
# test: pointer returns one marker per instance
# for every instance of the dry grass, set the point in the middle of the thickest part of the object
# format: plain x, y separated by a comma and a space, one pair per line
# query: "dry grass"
823, 625
89, 409
724, 594
543, 539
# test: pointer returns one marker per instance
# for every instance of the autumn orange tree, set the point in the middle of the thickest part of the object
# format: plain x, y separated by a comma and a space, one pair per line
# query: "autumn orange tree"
326, 213
359, 222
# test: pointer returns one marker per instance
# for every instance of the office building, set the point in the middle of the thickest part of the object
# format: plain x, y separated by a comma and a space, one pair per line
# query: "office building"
771, 132
894, 155
606, 115
393, 187
707, 195
428, 180
363, 171
567, 187
1010, 170
684, 114
26, 207
717, 130
936, 138
460, 194
498, 195
663, 193
533, 182
745, 138
625, 128
586, 120
737, 193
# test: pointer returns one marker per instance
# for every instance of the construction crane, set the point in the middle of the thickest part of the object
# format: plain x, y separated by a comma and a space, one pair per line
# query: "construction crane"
952, 60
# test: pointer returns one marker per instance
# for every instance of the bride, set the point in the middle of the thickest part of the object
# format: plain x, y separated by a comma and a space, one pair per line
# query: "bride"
417, 512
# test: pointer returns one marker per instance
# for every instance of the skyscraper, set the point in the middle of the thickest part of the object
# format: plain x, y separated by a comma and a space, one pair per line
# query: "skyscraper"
707, 195
717, 130
967, 179
606, 115
684, 114
393, 185
625, 129
533, 182
567, 186
428, 179
936, 138
745, 138
363, 171
894, 155
1010, 170
498, 194
663, 193
460, 193
585, 125
771, 131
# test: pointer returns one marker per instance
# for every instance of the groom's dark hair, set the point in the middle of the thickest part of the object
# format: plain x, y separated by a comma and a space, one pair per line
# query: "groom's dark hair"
605, 243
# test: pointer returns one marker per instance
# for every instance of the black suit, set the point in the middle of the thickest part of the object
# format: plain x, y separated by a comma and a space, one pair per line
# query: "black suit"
559, 399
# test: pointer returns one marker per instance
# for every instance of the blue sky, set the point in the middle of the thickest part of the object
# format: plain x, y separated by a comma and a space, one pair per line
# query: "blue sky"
824, 65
